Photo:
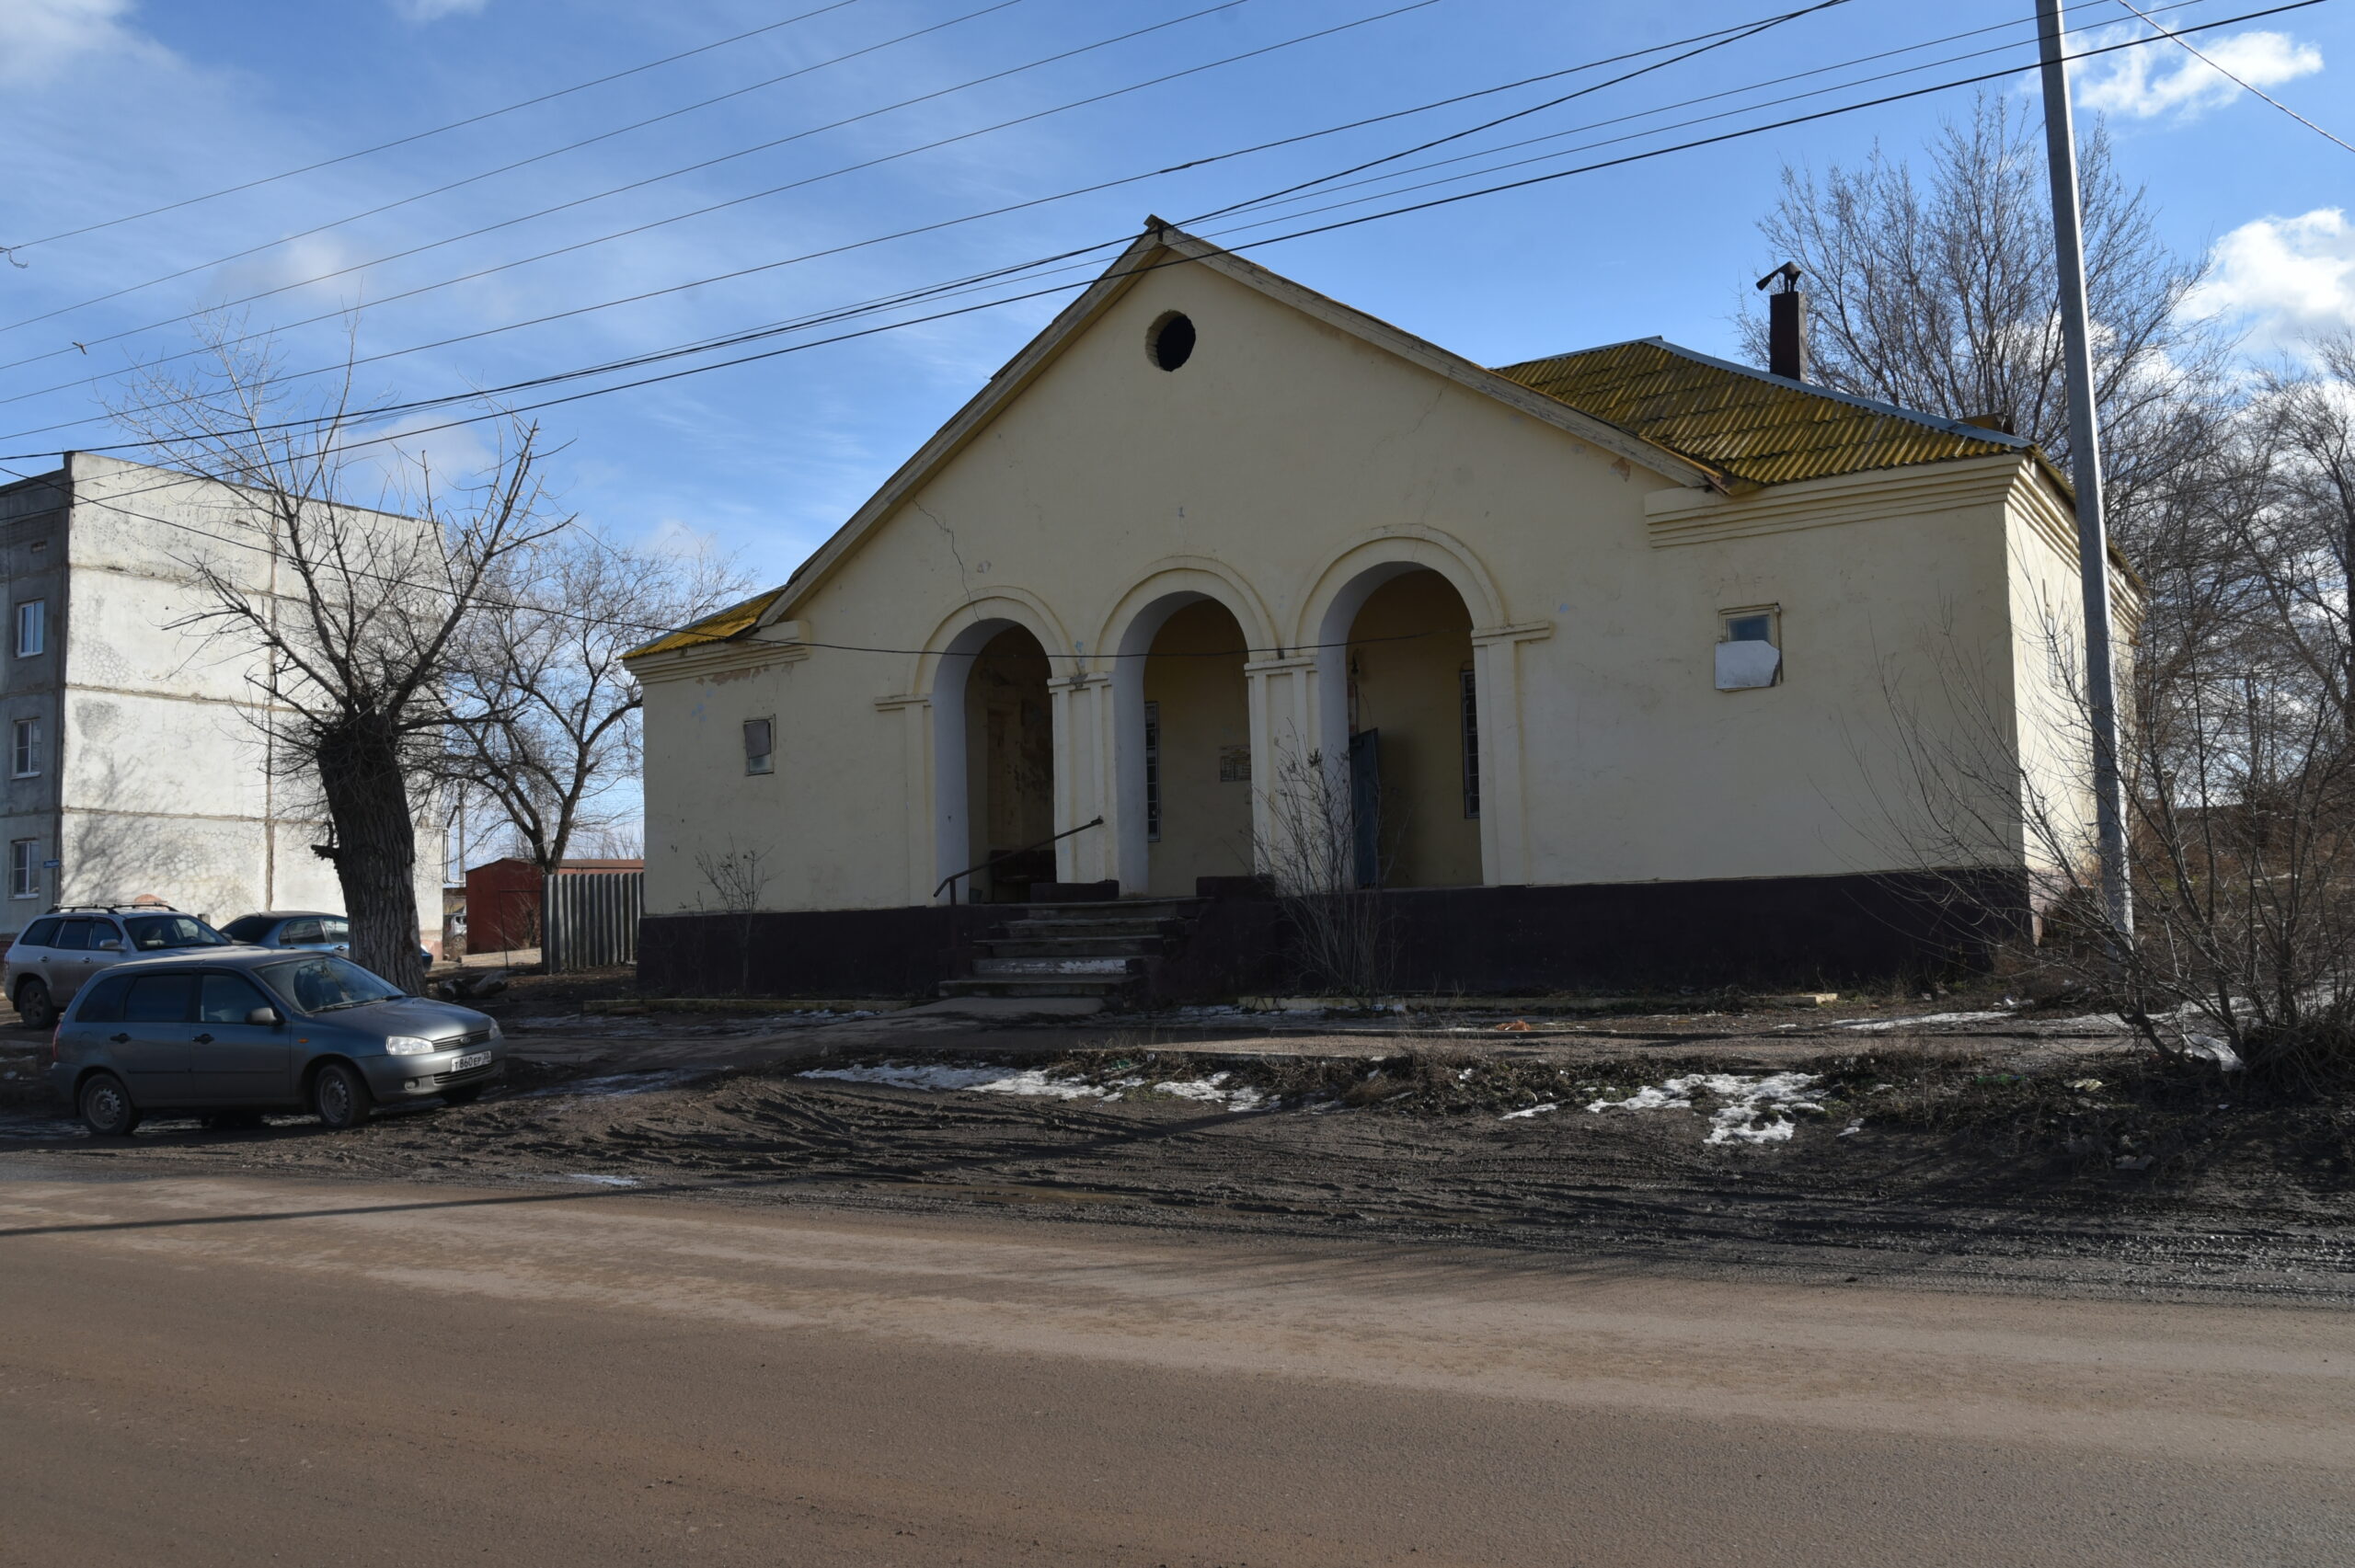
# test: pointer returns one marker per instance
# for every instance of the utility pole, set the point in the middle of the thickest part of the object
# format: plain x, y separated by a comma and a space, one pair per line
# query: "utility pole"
2084, 450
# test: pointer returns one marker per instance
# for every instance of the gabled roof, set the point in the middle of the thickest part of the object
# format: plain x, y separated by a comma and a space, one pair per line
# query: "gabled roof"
720, 626
1698, 422
1761, 429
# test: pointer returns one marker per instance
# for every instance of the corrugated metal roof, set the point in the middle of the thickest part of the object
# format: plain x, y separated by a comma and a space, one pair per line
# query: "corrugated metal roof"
1744, 423
725, 625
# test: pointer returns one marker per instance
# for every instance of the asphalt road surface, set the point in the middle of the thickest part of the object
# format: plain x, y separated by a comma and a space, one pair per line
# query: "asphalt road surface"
201, 1370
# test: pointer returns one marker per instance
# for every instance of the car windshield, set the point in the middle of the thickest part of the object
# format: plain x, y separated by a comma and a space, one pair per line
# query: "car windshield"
152, 933
247, 928
323, 984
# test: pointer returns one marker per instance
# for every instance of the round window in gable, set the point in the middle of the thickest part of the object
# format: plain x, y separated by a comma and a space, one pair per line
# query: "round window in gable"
1171, 341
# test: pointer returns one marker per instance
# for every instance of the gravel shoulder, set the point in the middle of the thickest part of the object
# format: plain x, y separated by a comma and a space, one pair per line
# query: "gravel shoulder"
1955, 1149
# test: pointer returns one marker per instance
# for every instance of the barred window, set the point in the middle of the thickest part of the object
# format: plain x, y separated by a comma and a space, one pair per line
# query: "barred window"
1470, 709
1153, 773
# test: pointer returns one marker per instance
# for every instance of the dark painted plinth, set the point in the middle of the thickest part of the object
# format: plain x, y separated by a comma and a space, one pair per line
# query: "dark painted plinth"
1782, 932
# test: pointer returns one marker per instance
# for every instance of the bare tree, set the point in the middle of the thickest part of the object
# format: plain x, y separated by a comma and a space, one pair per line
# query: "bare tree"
739, 877
545, 713
1345, 938
1939, 292
357, 611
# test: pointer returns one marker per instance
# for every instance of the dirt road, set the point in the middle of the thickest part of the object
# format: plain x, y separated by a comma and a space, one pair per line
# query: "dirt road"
219, 1370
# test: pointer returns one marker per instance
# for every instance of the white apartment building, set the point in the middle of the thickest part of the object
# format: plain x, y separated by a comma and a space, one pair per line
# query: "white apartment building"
138, 761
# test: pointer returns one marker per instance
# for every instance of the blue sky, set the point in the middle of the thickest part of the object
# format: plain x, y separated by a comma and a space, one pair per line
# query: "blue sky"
116, 106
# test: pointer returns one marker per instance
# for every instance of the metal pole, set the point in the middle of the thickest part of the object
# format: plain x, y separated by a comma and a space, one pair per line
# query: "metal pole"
2084, 450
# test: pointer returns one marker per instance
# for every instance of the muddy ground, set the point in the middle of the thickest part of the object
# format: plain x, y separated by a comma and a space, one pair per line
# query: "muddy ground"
1958, 1147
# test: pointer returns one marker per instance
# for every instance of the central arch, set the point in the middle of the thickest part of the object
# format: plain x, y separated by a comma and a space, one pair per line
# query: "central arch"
1182, 729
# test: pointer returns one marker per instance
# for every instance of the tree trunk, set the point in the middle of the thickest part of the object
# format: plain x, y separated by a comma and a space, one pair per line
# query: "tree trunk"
375, 854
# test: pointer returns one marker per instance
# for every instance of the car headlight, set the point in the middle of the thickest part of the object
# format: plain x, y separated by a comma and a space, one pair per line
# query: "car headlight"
495, 1032
409, 1046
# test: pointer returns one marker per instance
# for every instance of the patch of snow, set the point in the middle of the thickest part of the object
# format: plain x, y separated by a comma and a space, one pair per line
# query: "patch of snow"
1031, 1081
1751, 1108
41, 1126
1531, 1111
1879, 1023
1852, 1128
973, 1079
595, 1180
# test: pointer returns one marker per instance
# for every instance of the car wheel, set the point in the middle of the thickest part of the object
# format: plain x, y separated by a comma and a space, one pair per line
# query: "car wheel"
34, 1007
340, 1097
465, 1096
106, 1107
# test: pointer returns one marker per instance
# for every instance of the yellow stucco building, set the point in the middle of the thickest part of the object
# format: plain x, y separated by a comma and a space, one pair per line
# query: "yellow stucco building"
1619, 660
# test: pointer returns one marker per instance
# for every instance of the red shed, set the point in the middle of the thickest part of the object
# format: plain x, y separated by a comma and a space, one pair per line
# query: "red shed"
503, 900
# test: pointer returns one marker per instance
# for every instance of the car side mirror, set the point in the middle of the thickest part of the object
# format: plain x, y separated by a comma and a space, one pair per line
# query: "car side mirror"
110, 944
264, 1015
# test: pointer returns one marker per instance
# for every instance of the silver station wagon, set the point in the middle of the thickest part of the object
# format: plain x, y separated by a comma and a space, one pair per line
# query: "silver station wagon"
247, 1030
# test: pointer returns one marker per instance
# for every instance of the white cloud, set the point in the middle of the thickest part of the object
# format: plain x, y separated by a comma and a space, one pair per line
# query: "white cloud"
2163, 78
2286, 278
434, 10
38, 37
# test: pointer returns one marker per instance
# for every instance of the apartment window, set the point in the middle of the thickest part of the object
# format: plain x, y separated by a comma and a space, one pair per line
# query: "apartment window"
25, 748
759, 746
1468, 709
1153, 773
32, 627
1749, 650
23, 868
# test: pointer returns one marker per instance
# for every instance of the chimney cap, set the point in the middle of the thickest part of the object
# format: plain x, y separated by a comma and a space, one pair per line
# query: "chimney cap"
1789, 272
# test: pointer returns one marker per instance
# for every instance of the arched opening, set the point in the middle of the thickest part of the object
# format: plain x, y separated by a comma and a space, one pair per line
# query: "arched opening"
1195, 748
1407, 723
1009, 757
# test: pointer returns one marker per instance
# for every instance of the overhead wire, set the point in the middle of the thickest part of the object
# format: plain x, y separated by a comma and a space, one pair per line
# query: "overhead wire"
2237, 81
774, 191
112, 504
415, 136
661, 355
1096, 187
316, 229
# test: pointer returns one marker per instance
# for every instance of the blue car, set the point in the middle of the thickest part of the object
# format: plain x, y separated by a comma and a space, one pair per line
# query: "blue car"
313, 931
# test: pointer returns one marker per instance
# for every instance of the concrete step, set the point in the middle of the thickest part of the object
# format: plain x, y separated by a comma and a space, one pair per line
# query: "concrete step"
1078, 930
1016, 985
990, 968
1117, 909
1089, 946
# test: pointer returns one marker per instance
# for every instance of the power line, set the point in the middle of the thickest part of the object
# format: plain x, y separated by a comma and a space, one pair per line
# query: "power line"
746, 152
706, 346
1093, 188
506, 168
113, 505
1750, 32
992, 304
2236, 81
435, 131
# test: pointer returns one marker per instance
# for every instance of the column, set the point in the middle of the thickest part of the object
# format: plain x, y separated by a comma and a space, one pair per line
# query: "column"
921, 845
1504, 796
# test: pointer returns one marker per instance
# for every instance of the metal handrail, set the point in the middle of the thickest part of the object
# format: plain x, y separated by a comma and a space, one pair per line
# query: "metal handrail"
1009, 855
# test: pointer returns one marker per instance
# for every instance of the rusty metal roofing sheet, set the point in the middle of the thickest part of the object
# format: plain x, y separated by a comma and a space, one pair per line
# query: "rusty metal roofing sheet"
725, 625
1748, 425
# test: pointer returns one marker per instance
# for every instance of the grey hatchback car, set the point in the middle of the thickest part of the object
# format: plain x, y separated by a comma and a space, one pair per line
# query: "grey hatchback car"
56, 956
246, 1030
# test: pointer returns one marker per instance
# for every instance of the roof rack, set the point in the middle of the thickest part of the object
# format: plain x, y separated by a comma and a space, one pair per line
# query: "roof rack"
112, 910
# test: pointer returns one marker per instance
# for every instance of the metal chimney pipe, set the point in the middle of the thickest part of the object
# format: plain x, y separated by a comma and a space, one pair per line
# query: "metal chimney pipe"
1785, 324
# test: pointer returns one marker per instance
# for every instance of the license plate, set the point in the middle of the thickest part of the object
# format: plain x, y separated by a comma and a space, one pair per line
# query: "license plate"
471, 1061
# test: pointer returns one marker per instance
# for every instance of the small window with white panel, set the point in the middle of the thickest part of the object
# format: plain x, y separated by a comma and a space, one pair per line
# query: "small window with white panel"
32, 627
1749, 648
760, 745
